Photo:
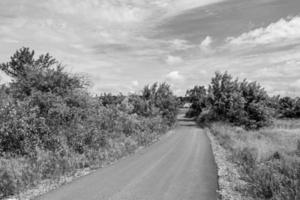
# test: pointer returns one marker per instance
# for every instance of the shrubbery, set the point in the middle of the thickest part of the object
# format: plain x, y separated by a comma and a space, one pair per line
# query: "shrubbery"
288, 107
239, 102
50, 125
198, 99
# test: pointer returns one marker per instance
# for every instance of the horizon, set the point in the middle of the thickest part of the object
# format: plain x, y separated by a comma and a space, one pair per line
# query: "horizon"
123, 45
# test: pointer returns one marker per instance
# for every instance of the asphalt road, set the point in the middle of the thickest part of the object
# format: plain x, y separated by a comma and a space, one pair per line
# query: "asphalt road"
178, 167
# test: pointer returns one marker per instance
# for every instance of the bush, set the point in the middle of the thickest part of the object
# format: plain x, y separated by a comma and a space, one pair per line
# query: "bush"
206, 117
241, 103
288, 107
50, 125
198, 99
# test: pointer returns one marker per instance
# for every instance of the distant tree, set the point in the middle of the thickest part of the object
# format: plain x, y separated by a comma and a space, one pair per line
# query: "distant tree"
239, 102
297, 107
273, 105
198, 99
167, 103
110, 99
224, 97
158, 98
289, 107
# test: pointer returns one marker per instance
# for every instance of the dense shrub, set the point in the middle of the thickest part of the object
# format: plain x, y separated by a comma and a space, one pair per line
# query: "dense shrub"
159, 98
206, 117
50, 125
242, 103
198, 99
288, 107
110, 99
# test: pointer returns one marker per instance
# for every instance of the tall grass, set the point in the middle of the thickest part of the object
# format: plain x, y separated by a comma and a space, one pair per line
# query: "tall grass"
268, 159
19, 173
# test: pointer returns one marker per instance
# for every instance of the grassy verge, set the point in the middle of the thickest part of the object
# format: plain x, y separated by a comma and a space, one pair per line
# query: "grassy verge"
230, 182
267, 161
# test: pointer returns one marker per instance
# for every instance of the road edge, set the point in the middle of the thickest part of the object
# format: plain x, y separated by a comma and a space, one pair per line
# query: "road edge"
50, 185
228, 176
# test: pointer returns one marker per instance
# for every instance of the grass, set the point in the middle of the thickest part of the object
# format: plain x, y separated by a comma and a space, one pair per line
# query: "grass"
268, 159
23, 175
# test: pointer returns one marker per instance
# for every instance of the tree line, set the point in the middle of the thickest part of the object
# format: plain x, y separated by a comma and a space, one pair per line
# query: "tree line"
241, 103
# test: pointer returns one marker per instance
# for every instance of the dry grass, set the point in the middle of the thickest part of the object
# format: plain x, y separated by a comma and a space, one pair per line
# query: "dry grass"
268, 159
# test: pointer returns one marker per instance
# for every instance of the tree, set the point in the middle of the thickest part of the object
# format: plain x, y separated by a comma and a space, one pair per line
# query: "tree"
198, 99
44, 74
110, 99
43, 99
239, 102
167, 103
158, 98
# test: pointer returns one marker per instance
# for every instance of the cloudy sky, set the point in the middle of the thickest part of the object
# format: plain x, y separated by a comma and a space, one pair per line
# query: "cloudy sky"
122, 45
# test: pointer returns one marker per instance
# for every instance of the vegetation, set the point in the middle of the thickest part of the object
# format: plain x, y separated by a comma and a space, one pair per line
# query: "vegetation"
268, 159
248, 124
241, 103
288, 107
51, 126
198, 99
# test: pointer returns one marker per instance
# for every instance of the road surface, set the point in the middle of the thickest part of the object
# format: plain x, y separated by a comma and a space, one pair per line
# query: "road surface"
178, 167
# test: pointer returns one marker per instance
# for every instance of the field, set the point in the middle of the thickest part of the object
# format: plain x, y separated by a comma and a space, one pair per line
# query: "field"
267, 160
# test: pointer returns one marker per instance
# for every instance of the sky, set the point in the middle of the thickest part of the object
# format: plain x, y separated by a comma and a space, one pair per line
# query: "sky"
122, 45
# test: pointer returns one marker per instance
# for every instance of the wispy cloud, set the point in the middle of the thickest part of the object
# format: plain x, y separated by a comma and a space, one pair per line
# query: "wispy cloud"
205, 45
179, 44
280, 32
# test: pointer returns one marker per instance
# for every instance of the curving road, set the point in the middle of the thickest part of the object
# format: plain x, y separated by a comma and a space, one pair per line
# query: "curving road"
178, 167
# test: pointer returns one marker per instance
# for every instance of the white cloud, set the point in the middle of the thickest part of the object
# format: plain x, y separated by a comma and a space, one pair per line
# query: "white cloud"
284, 30
205, 45
179, 44
174, 76
135, 83
176, 6
173, 60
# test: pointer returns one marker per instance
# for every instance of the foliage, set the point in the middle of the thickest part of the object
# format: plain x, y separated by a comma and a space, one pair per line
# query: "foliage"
50, 125
267, 159
110, 99
288, 107
198, 99
239, 102
160, 98
43, 74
